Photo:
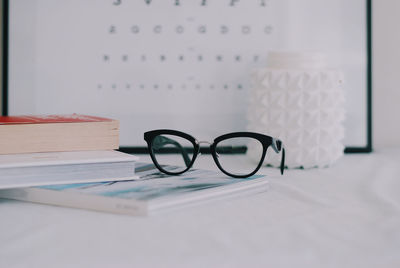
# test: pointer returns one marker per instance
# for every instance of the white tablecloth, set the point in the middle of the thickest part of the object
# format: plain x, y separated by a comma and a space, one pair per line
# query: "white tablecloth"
347, 215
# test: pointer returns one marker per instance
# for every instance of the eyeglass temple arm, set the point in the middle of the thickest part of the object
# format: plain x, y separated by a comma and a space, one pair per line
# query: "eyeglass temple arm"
161, 141
277, 145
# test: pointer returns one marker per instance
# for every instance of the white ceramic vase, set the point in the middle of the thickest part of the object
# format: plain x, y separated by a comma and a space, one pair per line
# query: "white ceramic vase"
297, 99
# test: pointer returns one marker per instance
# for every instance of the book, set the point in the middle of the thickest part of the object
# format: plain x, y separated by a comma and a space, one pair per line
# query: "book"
153, 192
52, 133
22, 170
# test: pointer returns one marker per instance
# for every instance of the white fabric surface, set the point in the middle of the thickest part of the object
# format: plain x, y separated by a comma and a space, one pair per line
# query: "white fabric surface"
347, 215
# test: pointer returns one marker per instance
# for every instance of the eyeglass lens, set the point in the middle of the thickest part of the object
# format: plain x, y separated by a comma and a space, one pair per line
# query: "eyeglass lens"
163, 146
242, 164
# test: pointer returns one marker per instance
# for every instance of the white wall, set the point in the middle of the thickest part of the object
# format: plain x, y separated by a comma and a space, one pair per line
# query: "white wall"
386, 73
1, 54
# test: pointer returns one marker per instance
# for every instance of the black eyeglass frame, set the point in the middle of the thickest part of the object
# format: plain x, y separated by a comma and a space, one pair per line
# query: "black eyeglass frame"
265, 140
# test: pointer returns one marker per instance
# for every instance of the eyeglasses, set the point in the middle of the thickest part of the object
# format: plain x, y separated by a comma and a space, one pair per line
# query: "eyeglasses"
164, 141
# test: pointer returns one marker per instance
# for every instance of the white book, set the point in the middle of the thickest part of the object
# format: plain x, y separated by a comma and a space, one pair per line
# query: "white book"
153, 192
33, 169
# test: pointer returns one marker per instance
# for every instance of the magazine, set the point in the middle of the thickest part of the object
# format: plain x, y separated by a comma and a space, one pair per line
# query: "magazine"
152, 192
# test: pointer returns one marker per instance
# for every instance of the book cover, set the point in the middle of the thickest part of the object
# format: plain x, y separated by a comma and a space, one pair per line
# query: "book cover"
153, 192
45, 119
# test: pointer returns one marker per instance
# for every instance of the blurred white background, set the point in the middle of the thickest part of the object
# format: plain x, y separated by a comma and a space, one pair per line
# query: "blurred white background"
386, 73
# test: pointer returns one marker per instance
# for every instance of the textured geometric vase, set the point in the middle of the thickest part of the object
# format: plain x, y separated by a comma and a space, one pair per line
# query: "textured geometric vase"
299, 101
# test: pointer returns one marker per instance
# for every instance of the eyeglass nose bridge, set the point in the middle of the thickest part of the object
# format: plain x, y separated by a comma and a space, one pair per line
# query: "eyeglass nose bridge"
204, 142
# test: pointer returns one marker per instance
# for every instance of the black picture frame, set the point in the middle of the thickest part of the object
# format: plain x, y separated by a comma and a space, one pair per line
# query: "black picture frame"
362, 149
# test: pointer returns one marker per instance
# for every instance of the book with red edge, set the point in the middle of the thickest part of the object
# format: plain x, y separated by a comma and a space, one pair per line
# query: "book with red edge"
55, 133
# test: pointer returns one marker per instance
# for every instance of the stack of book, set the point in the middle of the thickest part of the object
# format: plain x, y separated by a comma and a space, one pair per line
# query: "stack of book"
71, 161
59, 149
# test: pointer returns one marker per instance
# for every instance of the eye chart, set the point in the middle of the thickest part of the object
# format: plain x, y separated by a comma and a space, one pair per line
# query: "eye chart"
168, 64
